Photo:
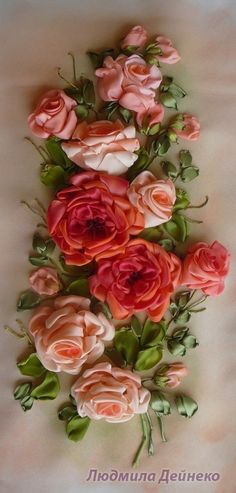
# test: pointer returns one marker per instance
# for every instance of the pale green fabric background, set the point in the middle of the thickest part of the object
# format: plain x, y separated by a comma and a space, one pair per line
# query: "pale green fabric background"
34, 38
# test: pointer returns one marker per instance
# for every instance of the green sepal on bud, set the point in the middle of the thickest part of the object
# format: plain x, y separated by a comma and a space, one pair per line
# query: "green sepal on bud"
186, 406
160, 404
180, 341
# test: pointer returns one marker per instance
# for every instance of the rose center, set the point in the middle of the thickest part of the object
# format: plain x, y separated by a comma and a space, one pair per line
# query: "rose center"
134, 276
96, 226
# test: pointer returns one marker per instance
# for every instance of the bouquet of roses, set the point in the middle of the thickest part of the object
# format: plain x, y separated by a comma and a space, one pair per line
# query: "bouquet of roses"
113, 288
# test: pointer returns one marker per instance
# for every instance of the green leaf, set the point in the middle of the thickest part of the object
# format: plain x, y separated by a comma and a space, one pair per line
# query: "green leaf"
190, 341
116, 357
48, 389
136, 326
185, 158
182, 298
53, 176
56, 153
189, 174
140, 164
148, 358
82, 111
79, 287
177, 227
166, 81
98, 57
182, 199
161, 145
186, 406
37, 261
176, 348
38, 243
67, 413
151, 234
127, 344
88, 92
28, 300
179, 333
22, 390
168, 100
167, 244
31, 366
75, 93
169, 169
159, 403
110, 109
77, 427
153, 333
183, 317
173, 308
177, 91
27, 403
126, 114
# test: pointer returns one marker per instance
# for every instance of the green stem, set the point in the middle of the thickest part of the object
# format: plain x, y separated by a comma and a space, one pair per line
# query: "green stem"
199, 206
38, 149
65, 80
161, 426
24, 331
34, 210
143, 443
196, 303
73, 65
150, 441
190, 220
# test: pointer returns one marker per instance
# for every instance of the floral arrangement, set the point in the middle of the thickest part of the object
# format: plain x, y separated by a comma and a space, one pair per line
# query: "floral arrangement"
114, 287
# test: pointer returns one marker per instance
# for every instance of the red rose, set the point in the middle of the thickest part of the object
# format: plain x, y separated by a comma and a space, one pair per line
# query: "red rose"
93, 218
141, 278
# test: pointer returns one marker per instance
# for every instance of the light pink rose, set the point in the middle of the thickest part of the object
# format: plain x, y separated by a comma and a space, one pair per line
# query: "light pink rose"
136, 37
153, 198
67, 334
54, 115
154, 114
191, 129
168, 53
45, 281
175, 372
129, 81
205, 267
109, 393
103, 146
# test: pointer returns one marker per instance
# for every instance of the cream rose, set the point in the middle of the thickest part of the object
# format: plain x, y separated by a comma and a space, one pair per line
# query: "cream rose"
67, 334
154, 198
103, 146
110, 393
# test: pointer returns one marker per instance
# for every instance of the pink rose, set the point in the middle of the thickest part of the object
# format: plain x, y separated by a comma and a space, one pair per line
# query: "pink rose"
149, 117
136, 37
168, 53
54, 115
205, 267
110, 393
129, 81
153, 198
45, 281
67, 334
170, 375
143, 277
191, 127
103, 146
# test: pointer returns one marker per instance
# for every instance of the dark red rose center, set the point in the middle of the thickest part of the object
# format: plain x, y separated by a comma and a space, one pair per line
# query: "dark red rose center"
96, 227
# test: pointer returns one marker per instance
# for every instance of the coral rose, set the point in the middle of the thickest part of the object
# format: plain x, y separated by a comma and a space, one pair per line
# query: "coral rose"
93, 218
136, 38
142, 278
110, 393
54, 115
205, 267
170, 375
103, 146
190, 127
67, 334
45, 281
129, 81
149, 117
154, 198
168, 54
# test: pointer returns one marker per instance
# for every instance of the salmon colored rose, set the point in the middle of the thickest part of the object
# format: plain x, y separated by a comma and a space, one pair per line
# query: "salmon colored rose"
149, 117
129, 81
54, 115
142, 278
168, 54
154, 198
93, 218
190, 129
136, 38
67, 334
170, 375
103, 146
110, 393
205, 267
45, 281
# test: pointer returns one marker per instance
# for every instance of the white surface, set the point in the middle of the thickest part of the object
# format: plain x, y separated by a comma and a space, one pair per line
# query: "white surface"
35, 37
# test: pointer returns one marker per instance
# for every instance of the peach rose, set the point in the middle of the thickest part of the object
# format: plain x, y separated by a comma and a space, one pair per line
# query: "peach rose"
67, 334
142, 278
205, 267
45, 281
170, 375
110, 393
154, 198
136, 37
129, 81
93, 218
168, 53
54, 115
191, 128
149, 117
103, 146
